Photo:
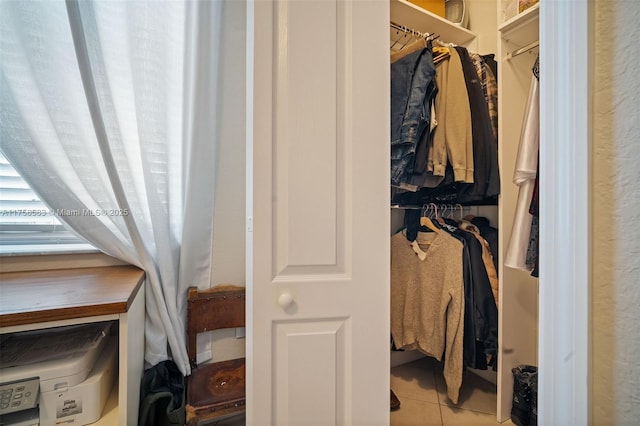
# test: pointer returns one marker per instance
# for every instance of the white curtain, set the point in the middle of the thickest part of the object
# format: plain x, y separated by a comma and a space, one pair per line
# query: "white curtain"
111, 107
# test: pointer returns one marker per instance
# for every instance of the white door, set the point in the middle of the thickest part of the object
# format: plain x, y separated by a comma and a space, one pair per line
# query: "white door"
318, 213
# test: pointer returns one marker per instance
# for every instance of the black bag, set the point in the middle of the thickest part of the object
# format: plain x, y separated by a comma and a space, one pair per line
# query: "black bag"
524, 408
162, 396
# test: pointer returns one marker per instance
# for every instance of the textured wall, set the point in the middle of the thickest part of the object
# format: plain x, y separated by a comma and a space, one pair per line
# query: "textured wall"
615, 397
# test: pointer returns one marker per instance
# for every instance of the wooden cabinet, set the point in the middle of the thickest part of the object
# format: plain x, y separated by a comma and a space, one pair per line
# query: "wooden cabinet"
46, 299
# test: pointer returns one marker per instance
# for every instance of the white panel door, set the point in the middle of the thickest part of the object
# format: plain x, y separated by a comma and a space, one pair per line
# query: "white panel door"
318, 213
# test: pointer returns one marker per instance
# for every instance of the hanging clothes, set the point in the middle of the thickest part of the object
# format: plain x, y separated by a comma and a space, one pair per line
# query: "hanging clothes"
487, 257
524, 177
412, 90
452, 141
427, 301
480, 337
486, 179
490, 235
533, 254
492, 90
414, 46
481, 313
456, 156
489, 88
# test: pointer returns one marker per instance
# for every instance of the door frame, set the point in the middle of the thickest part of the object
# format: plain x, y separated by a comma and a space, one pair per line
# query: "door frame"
565, 132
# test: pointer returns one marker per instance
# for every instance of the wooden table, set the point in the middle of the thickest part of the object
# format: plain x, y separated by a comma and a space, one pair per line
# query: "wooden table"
44, 299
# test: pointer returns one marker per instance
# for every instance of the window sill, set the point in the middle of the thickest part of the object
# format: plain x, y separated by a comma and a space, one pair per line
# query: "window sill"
57, 259
45, 249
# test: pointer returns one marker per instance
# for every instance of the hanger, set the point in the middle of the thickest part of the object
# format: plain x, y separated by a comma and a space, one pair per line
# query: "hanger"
446, 210
442, 47
439, 212
426, 220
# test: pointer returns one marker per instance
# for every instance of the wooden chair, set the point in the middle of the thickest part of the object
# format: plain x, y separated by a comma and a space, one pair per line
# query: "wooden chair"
214, 390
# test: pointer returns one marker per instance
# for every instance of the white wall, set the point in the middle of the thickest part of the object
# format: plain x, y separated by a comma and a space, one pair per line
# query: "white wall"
615, 287
229, 219
483, 20
228, 244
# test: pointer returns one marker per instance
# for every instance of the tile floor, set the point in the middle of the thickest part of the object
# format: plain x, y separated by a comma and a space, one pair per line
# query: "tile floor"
420, 387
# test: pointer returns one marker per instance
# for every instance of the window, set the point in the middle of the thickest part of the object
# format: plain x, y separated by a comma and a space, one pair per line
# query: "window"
27, 225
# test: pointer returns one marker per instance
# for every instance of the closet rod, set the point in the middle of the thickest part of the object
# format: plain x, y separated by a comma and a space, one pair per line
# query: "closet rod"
407, 30
523, 49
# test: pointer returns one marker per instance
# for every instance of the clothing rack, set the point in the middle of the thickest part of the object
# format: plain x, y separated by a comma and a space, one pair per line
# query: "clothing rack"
437, 207
523, 49
469, 205
407, 30
411, 32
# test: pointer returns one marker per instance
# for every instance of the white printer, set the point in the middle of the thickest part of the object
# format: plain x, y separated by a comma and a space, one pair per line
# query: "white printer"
56, 376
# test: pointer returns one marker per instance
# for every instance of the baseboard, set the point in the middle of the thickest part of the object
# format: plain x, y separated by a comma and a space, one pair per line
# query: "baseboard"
404, 357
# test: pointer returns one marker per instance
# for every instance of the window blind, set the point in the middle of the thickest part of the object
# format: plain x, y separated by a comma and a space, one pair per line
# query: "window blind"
27, 225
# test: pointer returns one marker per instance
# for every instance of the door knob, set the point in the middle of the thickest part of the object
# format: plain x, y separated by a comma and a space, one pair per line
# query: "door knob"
285, 299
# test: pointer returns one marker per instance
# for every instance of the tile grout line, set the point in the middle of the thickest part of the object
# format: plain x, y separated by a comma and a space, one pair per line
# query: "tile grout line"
441, 399
435, 382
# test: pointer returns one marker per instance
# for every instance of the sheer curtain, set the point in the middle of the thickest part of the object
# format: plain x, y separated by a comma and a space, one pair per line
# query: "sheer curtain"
109, 110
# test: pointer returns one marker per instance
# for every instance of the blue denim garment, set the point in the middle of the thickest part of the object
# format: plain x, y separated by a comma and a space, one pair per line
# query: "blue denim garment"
412, 88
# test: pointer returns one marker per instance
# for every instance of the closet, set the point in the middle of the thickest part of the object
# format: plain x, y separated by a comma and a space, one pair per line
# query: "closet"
318, 216
515, 45
518, 310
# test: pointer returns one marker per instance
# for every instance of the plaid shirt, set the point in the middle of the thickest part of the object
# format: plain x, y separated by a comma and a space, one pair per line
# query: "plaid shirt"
489, 88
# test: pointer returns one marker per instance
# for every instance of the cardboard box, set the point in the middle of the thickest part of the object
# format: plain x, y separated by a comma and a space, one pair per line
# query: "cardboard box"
525, 4
434, 6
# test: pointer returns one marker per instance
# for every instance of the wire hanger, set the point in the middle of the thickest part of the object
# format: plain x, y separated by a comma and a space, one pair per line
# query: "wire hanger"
461, 211
446, 209
410, 34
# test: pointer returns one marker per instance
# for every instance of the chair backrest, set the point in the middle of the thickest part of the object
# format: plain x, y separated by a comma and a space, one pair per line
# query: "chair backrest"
213, 309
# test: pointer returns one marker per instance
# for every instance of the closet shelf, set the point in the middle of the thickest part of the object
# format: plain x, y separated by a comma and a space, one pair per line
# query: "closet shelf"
419, 19
520, 31
521, 20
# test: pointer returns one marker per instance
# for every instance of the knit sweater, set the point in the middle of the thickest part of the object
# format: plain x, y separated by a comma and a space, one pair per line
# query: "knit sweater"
427, 301
452, 138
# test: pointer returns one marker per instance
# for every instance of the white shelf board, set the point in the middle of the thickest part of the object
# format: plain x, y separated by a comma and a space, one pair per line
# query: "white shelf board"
521, 30
416, 18
520, 20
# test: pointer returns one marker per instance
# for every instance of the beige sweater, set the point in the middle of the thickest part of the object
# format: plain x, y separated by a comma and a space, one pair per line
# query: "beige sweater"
427, 301
452, 139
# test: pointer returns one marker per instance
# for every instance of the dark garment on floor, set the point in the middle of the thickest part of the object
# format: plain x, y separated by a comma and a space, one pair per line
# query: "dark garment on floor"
162, 396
